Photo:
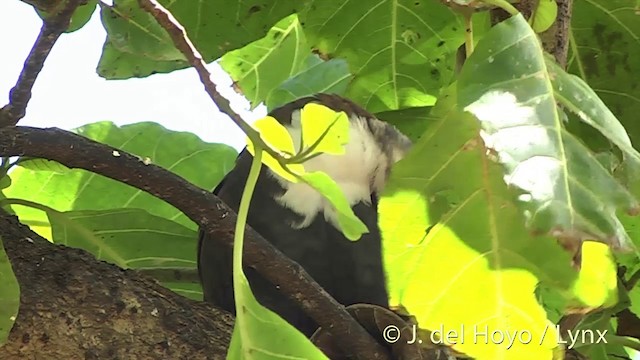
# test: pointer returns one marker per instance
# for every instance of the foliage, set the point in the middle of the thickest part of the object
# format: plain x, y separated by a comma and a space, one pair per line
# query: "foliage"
517, 163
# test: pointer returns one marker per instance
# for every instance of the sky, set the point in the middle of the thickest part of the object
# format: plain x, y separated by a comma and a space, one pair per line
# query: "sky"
68, 93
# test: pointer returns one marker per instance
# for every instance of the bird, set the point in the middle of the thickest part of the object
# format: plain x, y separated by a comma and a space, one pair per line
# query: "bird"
301, 223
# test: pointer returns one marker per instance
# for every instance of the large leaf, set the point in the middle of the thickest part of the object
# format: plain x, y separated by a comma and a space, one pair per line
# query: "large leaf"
214, 26
80, 17
9, 295
130, 238
400, 51
261, 66
456, 251
412, 122
115, 64
261, 334
331, 77
605, 48
180, 152
565, 189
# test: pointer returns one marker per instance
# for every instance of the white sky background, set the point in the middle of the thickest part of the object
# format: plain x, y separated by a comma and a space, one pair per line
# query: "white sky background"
68, 93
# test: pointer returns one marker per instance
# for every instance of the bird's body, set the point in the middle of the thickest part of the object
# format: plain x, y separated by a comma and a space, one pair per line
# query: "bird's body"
301, 223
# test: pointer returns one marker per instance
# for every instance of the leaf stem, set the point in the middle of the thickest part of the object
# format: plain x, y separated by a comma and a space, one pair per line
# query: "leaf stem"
468, 33
238, 239
504, 5
625, 341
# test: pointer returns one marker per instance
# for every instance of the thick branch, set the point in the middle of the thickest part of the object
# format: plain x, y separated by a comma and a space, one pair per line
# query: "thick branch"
202, 207
20, 94
73, 306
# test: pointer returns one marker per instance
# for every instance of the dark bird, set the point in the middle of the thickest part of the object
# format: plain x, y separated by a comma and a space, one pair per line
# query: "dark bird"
301, 223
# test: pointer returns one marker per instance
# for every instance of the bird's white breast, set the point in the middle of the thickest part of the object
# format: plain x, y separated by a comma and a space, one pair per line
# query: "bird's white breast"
356, 172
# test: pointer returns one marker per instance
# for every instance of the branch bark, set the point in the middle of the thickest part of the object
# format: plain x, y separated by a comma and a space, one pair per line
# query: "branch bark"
73, 306
205, 209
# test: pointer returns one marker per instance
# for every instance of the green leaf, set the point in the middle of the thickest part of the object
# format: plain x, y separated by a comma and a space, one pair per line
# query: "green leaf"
576, 95
43, 165
129, 238
9, 295
115, 64
261, 66
604, 48
544, 15
412, 122
331, 77
140, 47
350, 224
180, 152
5, 182
400, 52
564, 187
80, 17
324, 127
262, 334
134, 31
451, 233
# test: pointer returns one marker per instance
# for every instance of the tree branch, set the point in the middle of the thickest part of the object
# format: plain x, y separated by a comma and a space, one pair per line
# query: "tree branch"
205, 209
556, 39
73, 306
20, 94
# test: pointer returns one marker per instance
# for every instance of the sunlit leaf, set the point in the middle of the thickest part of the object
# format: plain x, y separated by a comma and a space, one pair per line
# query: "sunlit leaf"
351, 225
325, 126
452, 233
180, 152
507, 85
129, 238
277, 137
597, 281
544, 15
260, 333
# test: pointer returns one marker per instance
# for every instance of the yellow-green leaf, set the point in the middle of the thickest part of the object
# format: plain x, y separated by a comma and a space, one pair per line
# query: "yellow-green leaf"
327, 128
351, 225
597, 283
260, 333
544, 15
277, 137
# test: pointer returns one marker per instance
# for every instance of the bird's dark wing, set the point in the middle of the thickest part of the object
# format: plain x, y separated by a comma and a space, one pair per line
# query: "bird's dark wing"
351, 272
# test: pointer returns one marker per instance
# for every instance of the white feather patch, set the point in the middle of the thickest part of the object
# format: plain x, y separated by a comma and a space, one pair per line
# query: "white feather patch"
359, 172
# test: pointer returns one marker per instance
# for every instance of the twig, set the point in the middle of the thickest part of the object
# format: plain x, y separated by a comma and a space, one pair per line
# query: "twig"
633, 280
20, 94
205, 209
563, 22
182, 42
